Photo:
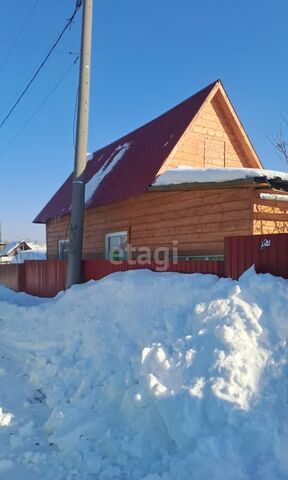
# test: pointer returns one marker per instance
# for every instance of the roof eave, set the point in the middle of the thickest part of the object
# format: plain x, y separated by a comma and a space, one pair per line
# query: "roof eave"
245, 182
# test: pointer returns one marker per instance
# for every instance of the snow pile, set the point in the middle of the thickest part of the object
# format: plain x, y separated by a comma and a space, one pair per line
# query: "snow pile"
185, 174
108, 166
146, 376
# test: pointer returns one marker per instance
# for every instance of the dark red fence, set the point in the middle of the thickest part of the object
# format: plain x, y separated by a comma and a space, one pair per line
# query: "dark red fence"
97, 269
45, 278
269, 254
13, 276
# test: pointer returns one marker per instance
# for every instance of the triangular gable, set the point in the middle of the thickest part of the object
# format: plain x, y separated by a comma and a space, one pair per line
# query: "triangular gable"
149, 147
154, 147
214, 138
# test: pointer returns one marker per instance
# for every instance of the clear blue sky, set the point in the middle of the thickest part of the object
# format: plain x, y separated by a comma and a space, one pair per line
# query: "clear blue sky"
147, 56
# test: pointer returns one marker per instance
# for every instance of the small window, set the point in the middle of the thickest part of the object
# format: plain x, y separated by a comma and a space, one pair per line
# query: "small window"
63, 247
116, 246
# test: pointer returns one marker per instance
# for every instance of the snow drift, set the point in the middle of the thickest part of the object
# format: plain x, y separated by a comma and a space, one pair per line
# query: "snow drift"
142, 375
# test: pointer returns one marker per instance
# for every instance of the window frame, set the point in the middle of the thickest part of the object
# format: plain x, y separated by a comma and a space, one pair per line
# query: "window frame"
114, 234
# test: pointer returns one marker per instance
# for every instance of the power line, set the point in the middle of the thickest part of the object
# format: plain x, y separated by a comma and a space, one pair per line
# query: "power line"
69, 22
37, 47
39, 107
16, 94
13, 46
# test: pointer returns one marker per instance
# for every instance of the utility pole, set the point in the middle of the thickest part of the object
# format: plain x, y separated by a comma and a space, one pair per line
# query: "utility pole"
74, 272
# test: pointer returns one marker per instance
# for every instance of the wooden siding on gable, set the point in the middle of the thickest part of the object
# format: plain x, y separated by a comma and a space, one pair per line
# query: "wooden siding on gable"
197, 220
209, 141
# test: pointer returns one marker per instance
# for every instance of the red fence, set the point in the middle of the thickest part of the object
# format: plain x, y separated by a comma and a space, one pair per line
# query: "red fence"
45, 278
269, 254
36, 277
13, 276
97, 269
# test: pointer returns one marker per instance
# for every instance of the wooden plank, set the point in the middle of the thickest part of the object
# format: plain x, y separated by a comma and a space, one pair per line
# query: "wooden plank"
191, 216
270, 216
178, 216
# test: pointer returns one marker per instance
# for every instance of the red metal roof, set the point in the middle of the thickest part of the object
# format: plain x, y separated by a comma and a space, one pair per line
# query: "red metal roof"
150, 145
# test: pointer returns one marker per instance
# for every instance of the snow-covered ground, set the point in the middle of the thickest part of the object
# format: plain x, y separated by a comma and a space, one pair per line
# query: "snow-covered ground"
146, 375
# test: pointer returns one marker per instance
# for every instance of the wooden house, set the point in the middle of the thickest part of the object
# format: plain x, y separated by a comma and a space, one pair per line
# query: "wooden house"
124, 203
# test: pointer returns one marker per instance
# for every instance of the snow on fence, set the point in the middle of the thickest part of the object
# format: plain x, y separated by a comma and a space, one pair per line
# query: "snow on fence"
269, 254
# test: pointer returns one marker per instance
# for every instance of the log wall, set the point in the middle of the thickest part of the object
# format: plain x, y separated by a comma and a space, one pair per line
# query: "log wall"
197, 220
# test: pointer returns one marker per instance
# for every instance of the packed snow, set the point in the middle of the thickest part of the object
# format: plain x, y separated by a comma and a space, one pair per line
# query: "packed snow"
185, 174
108, 166
146, 376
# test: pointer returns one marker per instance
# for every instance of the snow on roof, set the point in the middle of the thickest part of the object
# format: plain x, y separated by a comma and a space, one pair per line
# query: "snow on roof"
151, 145
34, 254
10, 247
273, 196
108, 166
39, 247
185, 174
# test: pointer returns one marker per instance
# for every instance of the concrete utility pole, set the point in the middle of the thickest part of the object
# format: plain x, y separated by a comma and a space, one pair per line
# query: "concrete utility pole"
74, 272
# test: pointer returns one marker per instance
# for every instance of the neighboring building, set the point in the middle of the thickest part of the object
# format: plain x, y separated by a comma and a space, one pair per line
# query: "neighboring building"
37, 252
12, 249
197, 209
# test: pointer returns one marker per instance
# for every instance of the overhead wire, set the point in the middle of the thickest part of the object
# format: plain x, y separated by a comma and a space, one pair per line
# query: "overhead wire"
23, 83
14, 44
42, 64
37, 47
29, 119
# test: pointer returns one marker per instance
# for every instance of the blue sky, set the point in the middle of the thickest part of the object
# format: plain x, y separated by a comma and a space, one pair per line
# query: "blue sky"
147, 57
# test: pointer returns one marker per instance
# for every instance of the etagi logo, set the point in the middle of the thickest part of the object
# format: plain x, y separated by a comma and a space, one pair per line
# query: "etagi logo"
161, 256
265, 243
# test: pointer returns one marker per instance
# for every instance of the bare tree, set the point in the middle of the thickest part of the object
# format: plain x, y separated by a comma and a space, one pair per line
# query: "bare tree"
280, 141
